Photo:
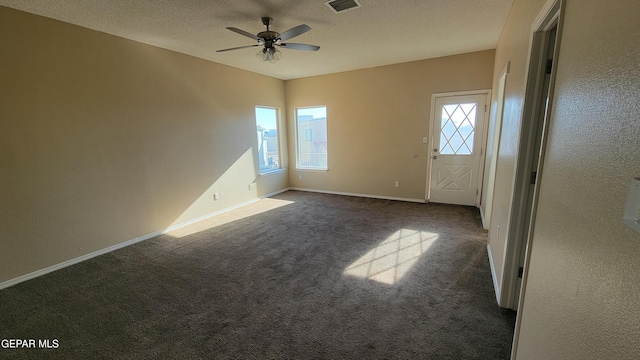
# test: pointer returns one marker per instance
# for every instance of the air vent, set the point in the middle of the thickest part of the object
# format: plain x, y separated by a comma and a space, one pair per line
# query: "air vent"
339, 6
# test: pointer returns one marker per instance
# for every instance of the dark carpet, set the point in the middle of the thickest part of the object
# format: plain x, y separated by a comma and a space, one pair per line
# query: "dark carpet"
296, 276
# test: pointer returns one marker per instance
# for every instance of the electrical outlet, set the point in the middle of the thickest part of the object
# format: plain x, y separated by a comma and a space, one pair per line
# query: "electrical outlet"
397, 184
498, 231
300, 177
216, 196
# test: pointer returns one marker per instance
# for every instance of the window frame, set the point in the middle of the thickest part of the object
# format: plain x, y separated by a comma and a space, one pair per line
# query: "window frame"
280, 168
297, 139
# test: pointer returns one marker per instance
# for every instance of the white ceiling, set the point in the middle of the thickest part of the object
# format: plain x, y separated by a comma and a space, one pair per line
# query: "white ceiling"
381, 32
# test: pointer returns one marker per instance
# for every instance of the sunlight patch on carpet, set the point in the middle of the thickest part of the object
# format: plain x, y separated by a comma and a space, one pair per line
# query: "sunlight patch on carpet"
226, 217
394, 257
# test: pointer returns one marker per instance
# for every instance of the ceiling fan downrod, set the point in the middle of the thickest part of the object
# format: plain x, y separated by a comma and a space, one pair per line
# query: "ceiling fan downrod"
267, 21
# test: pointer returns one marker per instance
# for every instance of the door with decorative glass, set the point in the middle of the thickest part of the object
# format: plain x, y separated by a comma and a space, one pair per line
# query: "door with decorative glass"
456, 149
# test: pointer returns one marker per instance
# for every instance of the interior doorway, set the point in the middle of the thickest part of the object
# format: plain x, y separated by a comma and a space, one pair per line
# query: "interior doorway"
538, 104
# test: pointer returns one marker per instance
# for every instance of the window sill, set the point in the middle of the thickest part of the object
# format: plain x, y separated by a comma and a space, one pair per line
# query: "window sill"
272, 172
312, 170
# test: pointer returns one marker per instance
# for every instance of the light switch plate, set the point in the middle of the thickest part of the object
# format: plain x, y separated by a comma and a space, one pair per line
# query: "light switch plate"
632, 211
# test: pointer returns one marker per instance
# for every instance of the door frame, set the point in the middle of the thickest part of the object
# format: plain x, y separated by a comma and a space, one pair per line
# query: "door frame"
483, 138
549, 17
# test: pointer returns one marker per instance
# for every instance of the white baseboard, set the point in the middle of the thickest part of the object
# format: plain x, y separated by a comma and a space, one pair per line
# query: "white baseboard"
358, 195
79, 259
64, 264
494, 277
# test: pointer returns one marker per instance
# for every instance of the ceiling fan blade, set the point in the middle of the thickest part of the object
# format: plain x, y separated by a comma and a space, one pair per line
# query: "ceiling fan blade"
295, 46
293, 32
238, 47
245, 33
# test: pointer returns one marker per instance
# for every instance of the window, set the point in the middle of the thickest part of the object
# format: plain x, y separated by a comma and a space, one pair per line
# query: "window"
458, 129
268, 147
311, 129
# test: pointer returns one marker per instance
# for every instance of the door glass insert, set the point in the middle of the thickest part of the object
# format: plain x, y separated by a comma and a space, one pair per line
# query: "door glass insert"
458, 129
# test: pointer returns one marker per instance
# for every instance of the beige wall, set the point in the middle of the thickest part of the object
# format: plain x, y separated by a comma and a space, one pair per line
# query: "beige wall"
103, 140
376, 119
581, 299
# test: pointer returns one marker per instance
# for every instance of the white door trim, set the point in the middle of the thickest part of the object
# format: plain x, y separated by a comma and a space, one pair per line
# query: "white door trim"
434, 97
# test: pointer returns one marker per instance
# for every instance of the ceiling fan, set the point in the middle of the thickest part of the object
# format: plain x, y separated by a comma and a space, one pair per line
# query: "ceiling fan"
270, 40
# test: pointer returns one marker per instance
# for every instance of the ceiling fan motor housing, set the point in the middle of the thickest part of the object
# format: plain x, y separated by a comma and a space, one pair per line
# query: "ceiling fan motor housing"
269, 37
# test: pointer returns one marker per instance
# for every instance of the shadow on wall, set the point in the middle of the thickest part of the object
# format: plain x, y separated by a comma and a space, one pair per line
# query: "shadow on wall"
110, 140
206, 147
229, 182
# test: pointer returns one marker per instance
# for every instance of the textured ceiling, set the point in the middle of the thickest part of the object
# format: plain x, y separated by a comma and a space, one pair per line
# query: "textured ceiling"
381, 32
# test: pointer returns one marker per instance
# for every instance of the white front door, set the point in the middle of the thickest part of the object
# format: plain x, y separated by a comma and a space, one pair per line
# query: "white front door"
456, 149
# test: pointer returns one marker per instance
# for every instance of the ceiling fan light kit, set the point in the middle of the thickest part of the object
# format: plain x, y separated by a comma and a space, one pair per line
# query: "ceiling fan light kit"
269, 54
270, 40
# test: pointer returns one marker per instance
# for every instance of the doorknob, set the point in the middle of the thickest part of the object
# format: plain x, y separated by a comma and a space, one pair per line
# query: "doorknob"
435, 150
434, 157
